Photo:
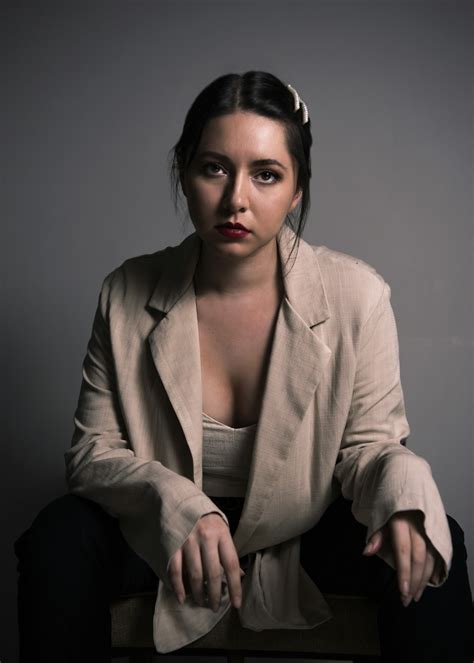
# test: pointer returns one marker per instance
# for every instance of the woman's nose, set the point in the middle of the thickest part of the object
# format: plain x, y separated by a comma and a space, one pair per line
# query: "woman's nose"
236, 198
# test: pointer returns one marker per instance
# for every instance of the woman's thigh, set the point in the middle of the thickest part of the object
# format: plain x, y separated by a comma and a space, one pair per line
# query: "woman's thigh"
331, 554
72, 561
437, 628
73, 537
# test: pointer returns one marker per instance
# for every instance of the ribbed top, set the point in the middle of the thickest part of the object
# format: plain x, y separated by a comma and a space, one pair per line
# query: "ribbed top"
226, 457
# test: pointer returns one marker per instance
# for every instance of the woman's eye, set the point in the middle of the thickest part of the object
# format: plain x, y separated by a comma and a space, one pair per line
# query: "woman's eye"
265, 176
212, 168
269, 177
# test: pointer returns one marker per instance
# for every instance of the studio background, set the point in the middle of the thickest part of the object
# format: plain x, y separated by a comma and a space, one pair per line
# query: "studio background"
96, 95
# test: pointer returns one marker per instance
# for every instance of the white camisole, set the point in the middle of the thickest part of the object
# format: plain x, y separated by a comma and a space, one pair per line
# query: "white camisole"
226, 456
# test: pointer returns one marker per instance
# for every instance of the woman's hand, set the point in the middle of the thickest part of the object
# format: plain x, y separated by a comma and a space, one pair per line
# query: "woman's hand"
209, 546
416, 559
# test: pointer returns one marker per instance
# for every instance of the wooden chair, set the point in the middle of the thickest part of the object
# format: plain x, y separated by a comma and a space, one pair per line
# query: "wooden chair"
351, 635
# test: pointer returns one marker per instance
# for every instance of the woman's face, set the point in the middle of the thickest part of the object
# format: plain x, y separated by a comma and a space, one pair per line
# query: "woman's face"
241, 173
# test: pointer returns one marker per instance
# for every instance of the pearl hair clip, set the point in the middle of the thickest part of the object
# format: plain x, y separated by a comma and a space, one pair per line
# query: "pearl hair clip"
299, 103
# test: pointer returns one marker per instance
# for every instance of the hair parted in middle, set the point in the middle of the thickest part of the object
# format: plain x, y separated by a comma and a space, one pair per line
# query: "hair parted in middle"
258, 92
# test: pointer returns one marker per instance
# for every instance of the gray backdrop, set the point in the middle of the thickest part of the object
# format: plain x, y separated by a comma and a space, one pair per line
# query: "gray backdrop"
97, 93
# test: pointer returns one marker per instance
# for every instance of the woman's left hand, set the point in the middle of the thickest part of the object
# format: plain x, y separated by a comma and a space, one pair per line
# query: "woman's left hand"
417, 561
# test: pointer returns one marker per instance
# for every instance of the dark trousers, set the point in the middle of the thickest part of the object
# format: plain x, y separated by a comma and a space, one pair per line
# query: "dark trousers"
73, 560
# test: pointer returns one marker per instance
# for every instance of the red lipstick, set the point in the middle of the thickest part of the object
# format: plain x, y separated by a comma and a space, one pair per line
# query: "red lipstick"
233, 230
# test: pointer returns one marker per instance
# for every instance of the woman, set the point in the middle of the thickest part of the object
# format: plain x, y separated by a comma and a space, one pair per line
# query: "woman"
240, 432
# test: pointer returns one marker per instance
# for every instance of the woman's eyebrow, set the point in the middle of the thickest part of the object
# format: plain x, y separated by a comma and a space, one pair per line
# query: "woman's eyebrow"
256, 162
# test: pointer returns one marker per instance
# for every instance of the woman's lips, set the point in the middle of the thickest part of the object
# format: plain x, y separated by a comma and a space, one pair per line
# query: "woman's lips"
231, 225
233, 230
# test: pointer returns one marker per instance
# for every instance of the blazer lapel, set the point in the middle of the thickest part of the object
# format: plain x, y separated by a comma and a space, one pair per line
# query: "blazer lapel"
297, 363
174, 343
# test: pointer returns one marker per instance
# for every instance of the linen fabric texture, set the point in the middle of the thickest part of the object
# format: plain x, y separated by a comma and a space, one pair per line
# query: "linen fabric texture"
332, 420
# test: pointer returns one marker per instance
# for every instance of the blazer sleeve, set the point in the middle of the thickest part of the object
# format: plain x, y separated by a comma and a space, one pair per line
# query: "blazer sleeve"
376, 471
156, 507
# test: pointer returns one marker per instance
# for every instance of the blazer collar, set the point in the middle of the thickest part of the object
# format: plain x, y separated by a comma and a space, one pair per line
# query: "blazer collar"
302, 279
298, 361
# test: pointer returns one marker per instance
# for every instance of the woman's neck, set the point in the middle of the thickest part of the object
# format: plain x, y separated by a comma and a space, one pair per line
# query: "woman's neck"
220, 276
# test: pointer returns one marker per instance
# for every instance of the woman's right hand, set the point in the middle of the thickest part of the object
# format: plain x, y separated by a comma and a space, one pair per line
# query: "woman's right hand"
199, 561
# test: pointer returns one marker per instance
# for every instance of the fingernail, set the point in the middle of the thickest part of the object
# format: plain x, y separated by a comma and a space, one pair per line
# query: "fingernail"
405, 589
406, 601
418, 596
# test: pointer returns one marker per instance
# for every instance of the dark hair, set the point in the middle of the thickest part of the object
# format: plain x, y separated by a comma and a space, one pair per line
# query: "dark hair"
258, 92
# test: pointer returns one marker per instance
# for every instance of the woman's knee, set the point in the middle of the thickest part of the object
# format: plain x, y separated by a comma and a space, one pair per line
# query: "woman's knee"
58, 529
458, 573
457, 533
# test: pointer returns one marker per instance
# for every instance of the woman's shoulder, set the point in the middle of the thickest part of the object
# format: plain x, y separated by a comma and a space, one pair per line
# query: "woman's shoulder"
144, 267
139, 268
135, 278
333, 262
144, 270
351, 284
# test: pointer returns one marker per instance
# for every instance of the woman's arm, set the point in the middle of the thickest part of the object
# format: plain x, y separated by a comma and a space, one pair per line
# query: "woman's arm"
381, 476
157, 508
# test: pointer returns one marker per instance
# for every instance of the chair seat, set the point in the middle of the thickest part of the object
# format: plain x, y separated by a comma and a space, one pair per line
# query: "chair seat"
351, 632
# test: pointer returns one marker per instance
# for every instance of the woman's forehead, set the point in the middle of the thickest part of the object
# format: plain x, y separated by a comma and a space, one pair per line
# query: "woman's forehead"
245, 135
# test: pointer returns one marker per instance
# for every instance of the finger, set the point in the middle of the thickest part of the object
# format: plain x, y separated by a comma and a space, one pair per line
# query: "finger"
374, 543
175, 575
418, 560
212, 573
401, 546
193, 562
233, 572
429, 566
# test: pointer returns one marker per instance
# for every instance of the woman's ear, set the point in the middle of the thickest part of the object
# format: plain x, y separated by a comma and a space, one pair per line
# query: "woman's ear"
296, 199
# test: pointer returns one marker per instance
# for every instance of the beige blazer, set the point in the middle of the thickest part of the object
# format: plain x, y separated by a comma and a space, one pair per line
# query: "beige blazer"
332, 420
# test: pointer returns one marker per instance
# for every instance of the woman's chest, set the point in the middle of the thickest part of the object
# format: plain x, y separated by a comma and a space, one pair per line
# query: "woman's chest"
235, 346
